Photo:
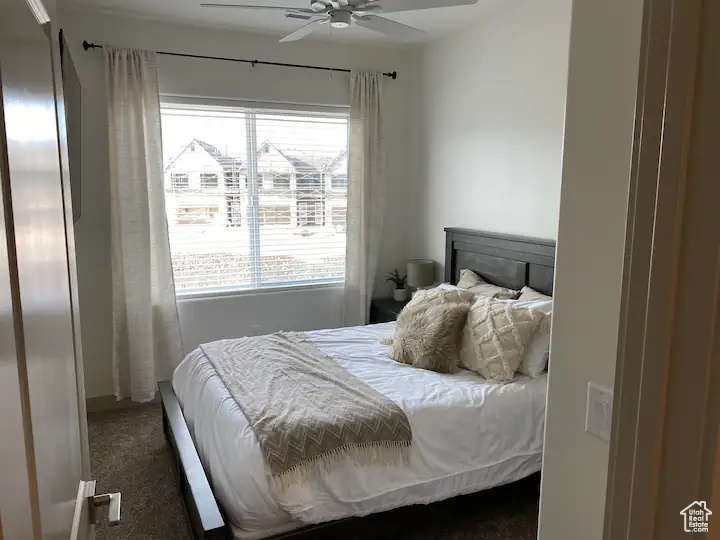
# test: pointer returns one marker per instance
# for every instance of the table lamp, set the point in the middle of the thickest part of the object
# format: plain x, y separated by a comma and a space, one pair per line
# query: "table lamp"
420, 273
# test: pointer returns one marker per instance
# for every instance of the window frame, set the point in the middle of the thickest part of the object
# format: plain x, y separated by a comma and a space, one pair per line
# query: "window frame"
283, 176
288, 109
333, 177
174, 176
203, 179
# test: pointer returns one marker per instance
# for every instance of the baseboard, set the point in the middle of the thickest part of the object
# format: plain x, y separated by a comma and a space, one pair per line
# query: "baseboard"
110, 403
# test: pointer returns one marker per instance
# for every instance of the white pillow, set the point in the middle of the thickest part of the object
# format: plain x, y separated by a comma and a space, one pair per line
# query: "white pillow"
537, 353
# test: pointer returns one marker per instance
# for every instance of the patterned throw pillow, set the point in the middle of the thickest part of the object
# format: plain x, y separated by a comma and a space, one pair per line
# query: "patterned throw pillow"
495, 336
470, 281
439, 295
428, 330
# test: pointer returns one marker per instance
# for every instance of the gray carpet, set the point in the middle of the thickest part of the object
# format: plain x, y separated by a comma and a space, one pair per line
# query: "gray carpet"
129, 454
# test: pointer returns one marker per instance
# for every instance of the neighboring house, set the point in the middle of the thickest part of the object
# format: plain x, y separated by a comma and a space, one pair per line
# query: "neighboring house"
205, 186
288, 189
300, 188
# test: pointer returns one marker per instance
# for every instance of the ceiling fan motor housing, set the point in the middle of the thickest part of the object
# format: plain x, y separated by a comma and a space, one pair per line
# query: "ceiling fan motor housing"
340, 18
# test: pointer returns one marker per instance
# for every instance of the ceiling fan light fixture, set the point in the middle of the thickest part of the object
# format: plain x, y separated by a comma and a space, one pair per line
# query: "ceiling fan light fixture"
341, 13
340, 19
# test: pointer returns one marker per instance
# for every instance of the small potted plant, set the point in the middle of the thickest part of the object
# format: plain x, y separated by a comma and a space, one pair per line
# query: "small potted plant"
400, 293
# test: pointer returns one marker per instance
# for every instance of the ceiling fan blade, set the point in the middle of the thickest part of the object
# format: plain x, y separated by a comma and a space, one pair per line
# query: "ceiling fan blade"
388, 27
274, 8
304, 31
394, 6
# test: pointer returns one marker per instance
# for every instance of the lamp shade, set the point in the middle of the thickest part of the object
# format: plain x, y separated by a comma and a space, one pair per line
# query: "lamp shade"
421, 273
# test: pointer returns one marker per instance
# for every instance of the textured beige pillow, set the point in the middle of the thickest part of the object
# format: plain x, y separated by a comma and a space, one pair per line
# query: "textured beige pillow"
440, 296
495, 337
470, 281
428, 330
528, 293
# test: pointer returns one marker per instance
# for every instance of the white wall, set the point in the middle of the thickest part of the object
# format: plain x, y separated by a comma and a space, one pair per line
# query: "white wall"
496, 149
603, 75
494, 100
208, 319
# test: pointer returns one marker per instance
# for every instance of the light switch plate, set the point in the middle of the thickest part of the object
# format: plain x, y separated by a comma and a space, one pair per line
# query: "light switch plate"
598, 415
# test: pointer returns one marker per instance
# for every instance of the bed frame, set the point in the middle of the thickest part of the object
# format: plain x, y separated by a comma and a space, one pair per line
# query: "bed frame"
509, 261
501, 259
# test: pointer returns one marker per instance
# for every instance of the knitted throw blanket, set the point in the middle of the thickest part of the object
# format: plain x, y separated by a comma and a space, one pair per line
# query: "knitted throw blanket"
308, 413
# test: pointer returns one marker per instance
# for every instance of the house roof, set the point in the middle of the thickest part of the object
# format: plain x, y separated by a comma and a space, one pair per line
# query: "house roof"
300, 160
228, 163
295, 157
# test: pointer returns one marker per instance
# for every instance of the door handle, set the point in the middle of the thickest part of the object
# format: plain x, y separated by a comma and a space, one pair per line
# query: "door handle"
111, 500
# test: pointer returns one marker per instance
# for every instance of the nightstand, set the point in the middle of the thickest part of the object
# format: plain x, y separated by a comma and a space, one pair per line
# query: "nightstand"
385, 310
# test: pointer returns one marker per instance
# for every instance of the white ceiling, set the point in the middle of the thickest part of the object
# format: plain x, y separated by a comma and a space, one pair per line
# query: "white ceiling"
436, 22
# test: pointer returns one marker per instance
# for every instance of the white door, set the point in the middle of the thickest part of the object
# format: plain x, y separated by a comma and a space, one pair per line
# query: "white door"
44, 491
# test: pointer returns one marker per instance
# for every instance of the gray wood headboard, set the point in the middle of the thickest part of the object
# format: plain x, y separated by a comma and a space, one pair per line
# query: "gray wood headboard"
501, 259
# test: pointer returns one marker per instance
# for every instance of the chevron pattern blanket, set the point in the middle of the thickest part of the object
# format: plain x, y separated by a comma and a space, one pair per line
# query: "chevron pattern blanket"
309, 414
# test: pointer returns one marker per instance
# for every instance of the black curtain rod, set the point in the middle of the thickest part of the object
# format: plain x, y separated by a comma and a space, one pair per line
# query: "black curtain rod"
393, 75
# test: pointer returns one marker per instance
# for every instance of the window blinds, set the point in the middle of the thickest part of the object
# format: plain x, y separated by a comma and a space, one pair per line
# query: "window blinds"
255, 198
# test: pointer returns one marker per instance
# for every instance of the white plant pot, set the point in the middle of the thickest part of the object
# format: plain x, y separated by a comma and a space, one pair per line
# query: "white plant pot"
400, 295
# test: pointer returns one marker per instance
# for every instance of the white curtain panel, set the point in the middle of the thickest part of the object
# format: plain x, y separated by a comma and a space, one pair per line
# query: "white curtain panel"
146, 331
366, 194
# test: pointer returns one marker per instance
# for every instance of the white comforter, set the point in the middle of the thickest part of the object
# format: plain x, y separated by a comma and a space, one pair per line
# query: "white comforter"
468, 435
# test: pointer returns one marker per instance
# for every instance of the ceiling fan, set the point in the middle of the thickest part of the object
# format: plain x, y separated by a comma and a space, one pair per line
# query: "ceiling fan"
341, 13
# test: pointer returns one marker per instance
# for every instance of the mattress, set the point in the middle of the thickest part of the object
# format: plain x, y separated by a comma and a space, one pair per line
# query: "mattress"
468, 435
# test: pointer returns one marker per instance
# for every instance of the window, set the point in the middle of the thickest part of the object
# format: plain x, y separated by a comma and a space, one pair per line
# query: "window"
310, 213
209, 180
274, 215
234, 211
195, 215
180, 180
282, 181
277, 181
339, 181
309, 180
271, 224
339, 217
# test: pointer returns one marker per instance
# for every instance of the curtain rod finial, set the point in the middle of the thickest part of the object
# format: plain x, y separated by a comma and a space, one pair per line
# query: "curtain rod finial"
86, 45
393, 75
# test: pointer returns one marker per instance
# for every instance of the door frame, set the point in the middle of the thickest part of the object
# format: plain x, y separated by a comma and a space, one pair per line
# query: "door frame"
671, 165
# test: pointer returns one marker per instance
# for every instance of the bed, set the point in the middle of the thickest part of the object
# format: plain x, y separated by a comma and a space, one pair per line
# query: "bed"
468, 435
